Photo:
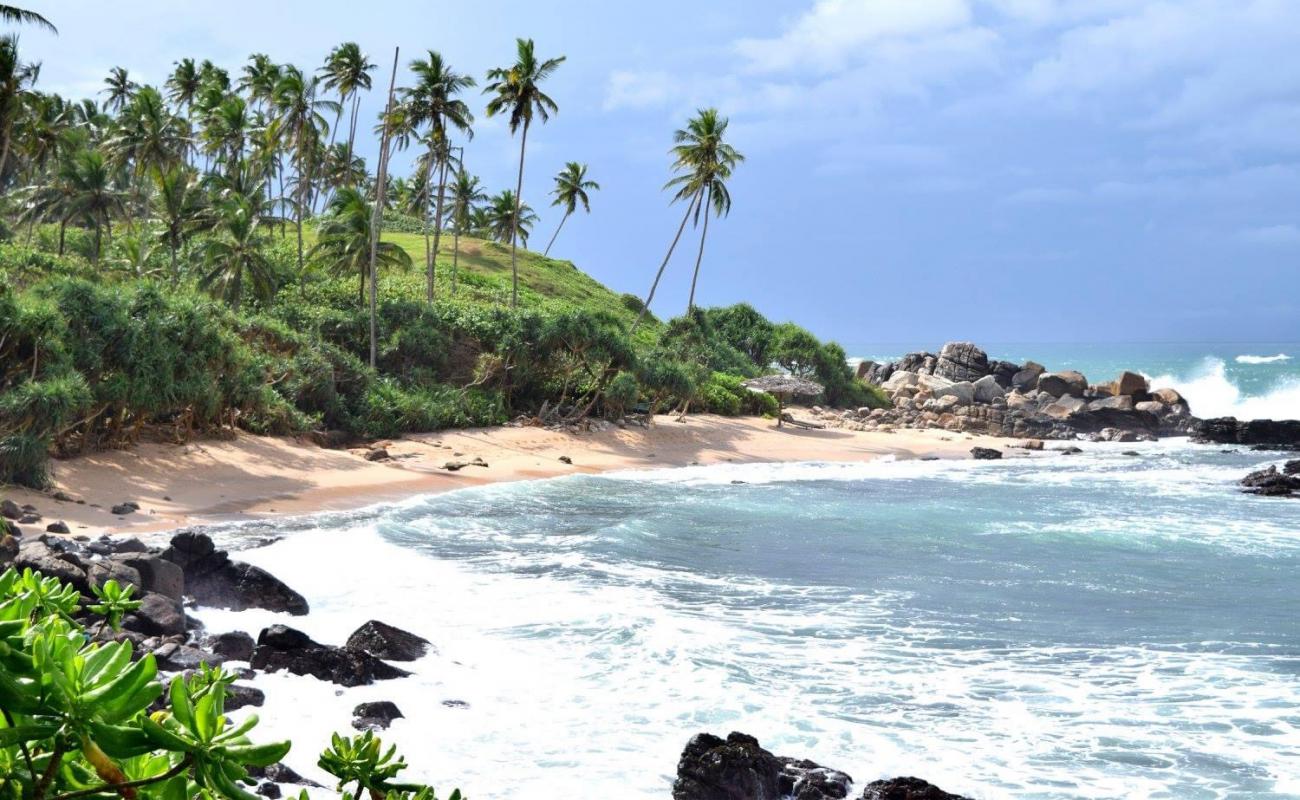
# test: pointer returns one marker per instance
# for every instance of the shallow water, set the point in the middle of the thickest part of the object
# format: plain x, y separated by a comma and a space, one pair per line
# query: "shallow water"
1091, 626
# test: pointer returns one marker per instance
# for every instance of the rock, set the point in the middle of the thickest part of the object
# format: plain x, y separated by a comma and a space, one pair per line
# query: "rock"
985, 454
737, 768
566, 460
1121, 402
963, 391
29, 518
1152, 407
330, 440
1060, 384
8, 547
40, 555
906, 789
1271, 483
387, 642
375, 716
1169, 397
157, 574
1065, 407
899, 379
279, 773
10, 510
987, 389
234, 646
1281, 434
1291, 467
156, 616
122, 509
961, 361
1129, 384
240, 696
101, 572
1004, 372
1068, 451
269, 790
58, 527
107, 546
1018, 400
1031, 444
212, 579
378, 454
283, 648
1027, 376
174, 657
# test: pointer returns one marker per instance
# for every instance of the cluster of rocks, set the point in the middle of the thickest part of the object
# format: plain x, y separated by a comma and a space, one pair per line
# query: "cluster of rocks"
1261, 434
737, 768
961, 390
1272, 482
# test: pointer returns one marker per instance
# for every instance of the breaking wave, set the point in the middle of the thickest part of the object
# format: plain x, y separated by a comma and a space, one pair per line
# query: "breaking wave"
1212, 393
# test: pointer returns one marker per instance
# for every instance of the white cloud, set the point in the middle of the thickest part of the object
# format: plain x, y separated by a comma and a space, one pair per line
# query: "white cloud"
628, 89
835, 32
1273, 235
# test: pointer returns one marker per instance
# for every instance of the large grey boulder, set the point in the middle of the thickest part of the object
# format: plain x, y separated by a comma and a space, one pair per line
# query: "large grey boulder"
1059, 384
961, 361
1063, 407
987, 389
964, 391
1027, 377
1119, 402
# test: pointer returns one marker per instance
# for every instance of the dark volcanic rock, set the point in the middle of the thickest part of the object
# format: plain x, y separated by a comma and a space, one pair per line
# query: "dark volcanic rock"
1291, 467
47, 555
985, 454
737, 768
157, 615
58, 526
157, 574
1271, 483
239, 696
1060, 384
961, 361
212, 579
236, 645
375, 716
283, 648
906, 789
10, 510
174, 657
1280, 434
384, 641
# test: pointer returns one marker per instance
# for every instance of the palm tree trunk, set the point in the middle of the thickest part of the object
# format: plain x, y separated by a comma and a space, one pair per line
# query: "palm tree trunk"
650, 297
563, 220
352, 133
175, 273
437, 218
514, 223
301, 199
4, 152
63, 229
455, 259
424, 217
690, 304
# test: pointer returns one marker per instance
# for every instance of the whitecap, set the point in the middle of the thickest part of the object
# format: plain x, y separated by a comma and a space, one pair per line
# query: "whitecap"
1212, 393
1249, 359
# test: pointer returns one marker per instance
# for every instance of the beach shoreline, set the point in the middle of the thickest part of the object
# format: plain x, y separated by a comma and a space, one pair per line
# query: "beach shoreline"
251, 477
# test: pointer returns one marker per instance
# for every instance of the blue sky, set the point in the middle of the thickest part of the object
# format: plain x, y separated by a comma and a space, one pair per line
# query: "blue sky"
918, 170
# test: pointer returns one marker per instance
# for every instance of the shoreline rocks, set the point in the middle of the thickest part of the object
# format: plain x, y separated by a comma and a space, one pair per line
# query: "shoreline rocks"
1263, 433
1272, 482
280, 647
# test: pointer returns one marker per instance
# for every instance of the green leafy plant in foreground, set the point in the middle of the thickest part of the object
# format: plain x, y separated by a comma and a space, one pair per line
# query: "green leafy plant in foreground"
76, 720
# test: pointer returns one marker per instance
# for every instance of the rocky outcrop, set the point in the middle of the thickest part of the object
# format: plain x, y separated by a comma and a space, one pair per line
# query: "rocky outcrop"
1272, 482
1061, 384
1263, 433
737, 768
961, 361
906, 789
375, 716
985, 454
382, 640
280, 647
213, 579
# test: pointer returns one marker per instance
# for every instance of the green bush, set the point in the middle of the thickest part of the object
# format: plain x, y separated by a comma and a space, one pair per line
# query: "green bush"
621, 394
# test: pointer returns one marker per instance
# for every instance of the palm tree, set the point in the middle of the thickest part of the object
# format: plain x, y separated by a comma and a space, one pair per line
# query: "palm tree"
466, 194
259, 79
45, 124
431, 103
571, 187
226, 131
16, 80
183, 84
347, 71
120, 89
302, 115
88, 181
179, 203
517, 92
508, 219
237, 252
21, 16
343, 244
705, 162
148, 136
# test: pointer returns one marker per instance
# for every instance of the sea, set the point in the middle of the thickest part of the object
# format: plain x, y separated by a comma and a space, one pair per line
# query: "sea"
1119, 623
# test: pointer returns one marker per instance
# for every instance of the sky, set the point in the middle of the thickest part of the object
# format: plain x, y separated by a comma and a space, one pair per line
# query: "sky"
916, 170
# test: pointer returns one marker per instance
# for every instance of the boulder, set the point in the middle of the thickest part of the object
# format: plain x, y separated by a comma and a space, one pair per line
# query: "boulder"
1152, 407
212, 579
987, 389
122, 509
378, 454
375, 716
239, 696
1130, 383
1271, 483
963, 391
234, 646
1291, 467
1027, 376
1169, 397
174, 657
900, 378
1065, 407
1060, 384
1004, 372
157, 574
282, 648
737, 768
985, 454
387, 642
101, 572
932, 383
1119, 402
41, 554
156, 616
1018, 400
961, 361
1280, 434
906, 789
58, 526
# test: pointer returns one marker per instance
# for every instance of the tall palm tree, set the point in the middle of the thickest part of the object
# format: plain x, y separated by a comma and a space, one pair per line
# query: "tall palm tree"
16, 81
432, 104
517, 91
147, 136
183, 84
343, 244
119, 87
259, 78
571, 187
226, 130
236, 252
347, 71
301, 113
21, 16
178, 200
705, 163
88, 180
45, 124
466, 194
509, 219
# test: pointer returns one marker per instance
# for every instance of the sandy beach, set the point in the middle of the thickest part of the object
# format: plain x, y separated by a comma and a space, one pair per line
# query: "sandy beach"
257, 477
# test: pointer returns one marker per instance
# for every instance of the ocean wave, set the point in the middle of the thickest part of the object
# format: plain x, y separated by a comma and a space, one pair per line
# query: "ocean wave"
1212, 393
1248, 359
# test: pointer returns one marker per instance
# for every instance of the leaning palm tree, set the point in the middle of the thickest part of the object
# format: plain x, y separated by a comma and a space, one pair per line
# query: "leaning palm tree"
432, 104
343, 243
509, 219
236, 253
119, 87
705, 163
517, 91
89, 182
259, 78
466, 194
301, 113
347, 71
571, 187
21, 16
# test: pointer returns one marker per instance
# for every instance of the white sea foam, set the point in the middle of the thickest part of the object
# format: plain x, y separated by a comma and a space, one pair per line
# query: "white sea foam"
1248, 359
1212, 394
